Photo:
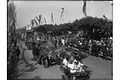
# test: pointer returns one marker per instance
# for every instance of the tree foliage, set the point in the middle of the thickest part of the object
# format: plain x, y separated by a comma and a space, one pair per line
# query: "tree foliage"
93, 27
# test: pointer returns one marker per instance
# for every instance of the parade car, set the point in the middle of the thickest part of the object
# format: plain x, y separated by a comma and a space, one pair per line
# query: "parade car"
49, 59
48, 55
83, 73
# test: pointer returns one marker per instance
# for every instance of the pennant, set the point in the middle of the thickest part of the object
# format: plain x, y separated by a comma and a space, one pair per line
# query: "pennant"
61, 13
84, 8
52, 18
39, 19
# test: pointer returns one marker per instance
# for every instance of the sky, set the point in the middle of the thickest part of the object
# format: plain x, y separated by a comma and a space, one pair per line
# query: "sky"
28, 10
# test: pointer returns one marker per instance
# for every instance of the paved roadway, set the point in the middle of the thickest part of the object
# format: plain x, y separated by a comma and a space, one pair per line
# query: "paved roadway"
102, 69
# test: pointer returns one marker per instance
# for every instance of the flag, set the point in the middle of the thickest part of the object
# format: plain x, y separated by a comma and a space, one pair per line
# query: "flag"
39, 19
104, 16
52, 18
45, 21
84, 8
36, 22
32, 22
61, 13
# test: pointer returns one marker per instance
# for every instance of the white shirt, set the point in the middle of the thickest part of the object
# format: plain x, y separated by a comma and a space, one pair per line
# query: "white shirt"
63, 41
74, 67
79, 66
65, 62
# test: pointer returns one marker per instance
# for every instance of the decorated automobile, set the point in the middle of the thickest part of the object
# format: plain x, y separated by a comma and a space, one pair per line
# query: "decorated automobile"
48, 55
80, 74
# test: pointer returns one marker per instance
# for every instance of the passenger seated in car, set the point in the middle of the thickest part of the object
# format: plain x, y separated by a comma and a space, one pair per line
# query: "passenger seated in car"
72, 64
78, 66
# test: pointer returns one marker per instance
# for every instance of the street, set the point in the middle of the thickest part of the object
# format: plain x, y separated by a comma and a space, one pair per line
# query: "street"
101, 69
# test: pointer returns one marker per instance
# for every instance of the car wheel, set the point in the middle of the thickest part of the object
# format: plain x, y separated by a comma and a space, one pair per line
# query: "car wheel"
41, 60
38, 60
45, 63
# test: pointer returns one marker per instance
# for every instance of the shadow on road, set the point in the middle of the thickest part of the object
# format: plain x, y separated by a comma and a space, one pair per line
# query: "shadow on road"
31, 69
21, 62
37, 78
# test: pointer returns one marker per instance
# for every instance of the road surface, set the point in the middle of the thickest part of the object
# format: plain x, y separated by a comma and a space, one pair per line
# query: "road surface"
102, 69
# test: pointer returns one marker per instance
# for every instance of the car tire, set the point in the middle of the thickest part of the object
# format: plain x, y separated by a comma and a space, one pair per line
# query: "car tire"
41, 60
45, 63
